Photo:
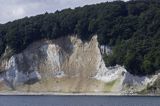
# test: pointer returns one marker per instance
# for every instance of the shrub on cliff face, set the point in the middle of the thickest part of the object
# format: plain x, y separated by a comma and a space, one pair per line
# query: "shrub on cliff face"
131, 28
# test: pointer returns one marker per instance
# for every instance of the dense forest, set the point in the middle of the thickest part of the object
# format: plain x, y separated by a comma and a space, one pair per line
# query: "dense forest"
131, 28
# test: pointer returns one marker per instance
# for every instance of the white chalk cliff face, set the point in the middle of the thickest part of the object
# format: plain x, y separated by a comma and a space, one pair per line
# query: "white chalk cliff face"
67, 65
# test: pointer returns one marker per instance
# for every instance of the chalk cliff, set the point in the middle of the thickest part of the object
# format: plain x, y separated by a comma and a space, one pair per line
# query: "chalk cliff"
67, 65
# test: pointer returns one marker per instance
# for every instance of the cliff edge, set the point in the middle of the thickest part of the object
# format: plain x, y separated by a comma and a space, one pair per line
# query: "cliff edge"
67, 65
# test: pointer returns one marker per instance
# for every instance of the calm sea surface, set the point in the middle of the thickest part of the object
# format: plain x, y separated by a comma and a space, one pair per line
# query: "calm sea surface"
78, 101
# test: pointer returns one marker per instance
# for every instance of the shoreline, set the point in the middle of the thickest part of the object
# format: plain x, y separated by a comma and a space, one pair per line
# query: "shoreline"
72, 94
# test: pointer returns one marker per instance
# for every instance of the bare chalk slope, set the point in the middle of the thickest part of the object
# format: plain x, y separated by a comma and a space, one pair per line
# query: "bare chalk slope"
66, 65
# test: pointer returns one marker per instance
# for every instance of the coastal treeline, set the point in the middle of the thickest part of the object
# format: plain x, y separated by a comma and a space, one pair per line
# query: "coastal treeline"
131, 28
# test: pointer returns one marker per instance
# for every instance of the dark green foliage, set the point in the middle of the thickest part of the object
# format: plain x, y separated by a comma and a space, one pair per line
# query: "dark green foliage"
131, 28
2, 41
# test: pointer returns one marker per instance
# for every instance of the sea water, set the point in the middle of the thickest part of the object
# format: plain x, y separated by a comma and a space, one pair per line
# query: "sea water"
79, 101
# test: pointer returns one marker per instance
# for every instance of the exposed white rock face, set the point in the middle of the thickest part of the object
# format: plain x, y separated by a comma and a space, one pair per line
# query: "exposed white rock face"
14, 77
109, 74
137, 83
66, 57
105, 49
127, 83
67, 65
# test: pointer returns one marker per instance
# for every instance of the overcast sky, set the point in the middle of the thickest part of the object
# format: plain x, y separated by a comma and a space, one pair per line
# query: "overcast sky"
15, 9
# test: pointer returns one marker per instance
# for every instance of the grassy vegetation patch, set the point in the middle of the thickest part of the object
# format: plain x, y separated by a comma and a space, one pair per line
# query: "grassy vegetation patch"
108, 86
